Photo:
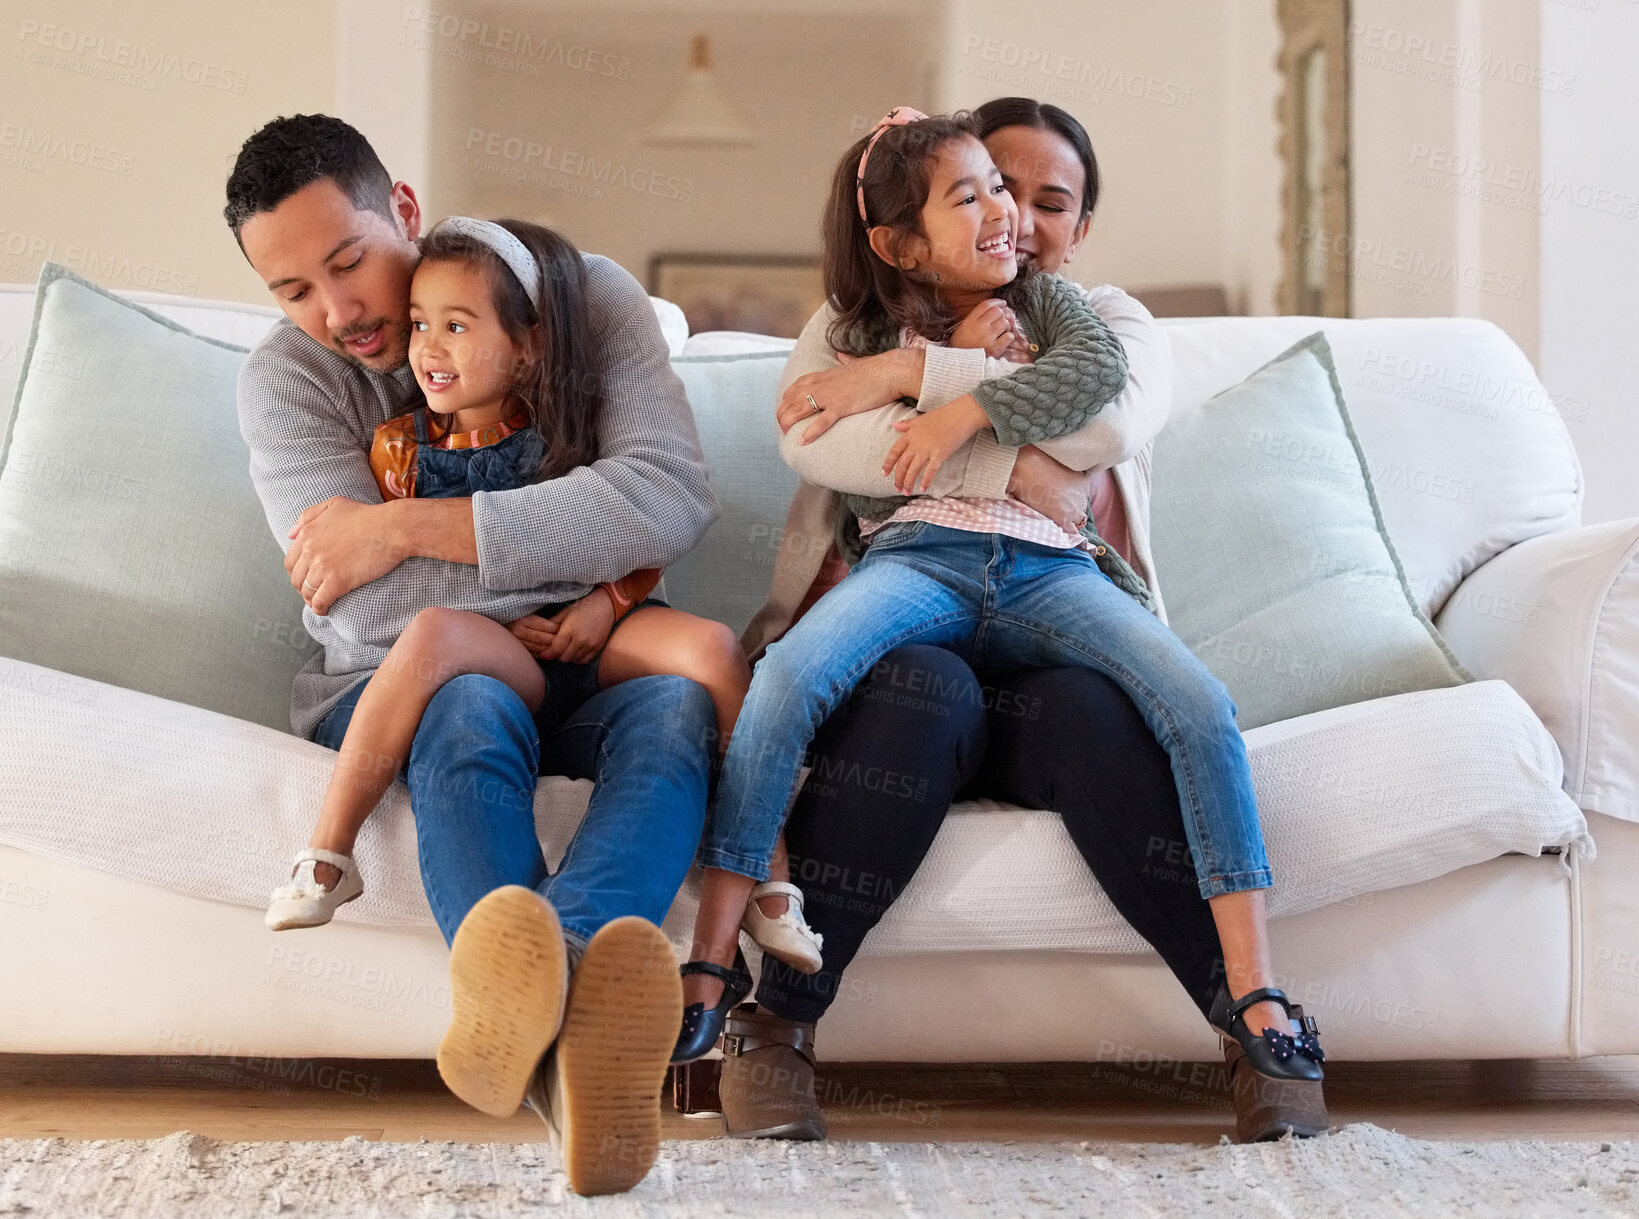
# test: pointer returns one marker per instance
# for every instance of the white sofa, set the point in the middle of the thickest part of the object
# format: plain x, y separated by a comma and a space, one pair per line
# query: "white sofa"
129, 895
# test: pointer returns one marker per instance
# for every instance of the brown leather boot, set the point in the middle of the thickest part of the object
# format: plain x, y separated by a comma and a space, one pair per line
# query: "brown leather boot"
1276, 1078
767, 1084
1267, 1107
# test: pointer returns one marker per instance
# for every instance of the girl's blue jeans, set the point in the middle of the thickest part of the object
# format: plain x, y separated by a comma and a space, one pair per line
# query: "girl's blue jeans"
998, 602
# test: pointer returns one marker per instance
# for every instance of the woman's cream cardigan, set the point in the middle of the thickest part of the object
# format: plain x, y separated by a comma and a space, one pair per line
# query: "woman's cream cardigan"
849, 457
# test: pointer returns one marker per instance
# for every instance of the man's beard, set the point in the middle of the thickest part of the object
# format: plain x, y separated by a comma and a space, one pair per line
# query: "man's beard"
339, 342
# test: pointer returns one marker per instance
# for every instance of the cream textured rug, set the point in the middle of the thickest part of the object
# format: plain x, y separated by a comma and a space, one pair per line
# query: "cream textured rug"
1359, 1171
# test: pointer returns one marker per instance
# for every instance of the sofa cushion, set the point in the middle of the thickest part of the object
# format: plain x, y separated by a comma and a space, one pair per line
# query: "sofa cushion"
1280, 573
128, 783
133, 549
726, 576
1467, 451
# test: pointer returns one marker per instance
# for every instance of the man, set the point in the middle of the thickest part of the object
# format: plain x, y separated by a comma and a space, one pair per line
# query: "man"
572, 962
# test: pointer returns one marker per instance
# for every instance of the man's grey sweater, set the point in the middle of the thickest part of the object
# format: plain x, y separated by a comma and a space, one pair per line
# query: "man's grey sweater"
309, 416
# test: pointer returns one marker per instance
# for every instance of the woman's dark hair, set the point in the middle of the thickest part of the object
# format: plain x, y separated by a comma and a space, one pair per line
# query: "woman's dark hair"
1043, 116
873, 299
292, 152
561, 390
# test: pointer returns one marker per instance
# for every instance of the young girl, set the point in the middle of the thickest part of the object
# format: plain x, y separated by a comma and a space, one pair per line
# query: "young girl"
919, 234
1079, 349
498, 348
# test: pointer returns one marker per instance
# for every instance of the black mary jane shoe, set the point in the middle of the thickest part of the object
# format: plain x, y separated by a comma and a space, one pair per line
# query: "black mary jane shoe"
702, 1026
1276, 1077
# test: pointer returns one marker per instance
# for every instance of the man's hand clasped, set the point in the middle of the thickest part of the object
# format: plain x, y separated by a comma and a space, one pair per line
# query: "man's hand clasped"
337, 546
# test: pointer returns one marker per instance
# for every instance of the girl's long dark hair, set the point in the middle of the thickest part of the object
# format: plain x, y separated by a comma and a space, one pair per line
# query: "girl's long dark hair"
1044, 116
872, 299
562, 390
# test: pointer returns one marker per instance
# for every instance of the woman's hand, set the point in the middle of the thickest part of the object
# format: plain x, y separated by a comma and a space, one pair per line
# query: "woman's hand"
858, 385
1051, 488
930, 439
582, 628
991, 325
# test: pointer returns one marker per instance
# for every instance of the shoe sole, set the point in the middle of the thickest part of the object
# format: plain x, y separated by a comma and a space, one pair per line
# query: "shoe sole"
625, 1007
1267, 1108
507, 968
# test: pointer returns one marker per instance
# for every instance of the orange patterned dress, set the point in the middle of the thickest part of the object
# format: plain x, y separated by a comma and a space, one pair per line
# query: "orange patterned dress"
394, 458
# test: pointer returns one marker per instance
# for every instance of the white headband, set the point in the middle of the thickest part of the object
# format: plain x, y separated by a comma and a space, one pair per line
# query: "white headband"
513, 252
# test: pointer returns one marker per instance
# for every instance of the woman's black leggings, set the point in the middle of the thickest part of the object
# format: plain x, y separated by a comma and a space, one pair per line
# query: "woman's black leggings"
922, 731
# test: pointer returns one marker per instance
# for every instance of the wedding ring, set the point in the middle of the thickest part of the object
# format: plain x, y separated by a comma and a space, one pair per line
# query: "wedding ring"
812, 403
306, 585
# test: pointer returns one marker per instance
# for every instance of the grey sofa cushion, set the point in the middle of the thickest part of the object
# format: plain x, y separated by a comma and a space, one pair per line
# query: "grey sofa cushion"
726, 576
133, 549
1279, 571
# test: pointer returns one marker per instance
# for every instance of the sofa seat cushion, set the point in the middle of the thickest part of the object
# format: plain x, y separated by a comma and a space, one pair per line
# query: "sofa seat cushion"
1355, 800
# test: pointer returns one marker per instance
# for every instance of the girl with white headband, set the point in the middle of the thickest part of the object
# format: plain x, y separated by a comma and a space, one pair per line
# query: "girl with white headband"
510, 397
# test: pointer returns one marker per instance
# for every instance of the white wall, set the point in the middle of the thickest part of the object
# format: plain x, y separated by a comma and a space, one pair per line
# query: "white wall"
1590, 245
1178, 96
119, 123
1179, 100
384, 86
808, 78
1496, 176
1444, 119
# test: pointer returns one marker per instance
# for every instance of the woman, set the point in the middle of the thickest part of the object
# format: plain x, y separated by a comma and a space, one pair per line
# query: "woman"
1112, 812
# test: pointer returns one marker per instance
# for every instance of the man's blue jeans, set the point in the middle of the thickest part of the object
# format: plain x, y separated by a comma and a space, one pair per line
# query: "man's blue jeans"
1000, 604
646, 744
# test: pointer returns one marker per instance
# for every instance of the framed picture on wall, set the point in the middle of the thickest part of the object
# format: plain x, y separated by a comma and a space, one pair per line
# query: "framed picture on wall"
761, 294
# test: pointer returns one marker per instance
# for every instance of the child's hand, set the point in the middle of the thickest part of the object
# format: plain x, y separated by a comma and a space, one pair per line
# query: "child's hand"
583, 628
929, 440
991, 325
536, 634
1020, 351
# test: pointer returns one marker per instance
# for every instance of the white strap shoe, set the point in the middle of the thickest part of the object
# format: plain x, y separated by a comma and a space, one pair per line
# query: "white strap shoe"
304, 902
789, 937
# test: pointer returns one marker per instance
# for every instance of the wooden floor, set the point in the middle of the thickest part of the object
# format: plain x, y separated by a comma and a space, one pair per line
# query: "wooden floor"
251, 1098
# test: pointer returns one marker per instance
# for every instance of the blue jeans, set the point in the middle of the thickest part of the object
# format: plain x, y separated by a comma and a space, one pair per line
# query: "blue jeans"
1000, 604
646, 744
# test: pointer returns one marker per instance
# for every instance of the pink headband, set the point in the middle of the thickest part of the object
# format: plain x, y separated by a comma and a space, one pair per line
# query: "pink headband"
899, 116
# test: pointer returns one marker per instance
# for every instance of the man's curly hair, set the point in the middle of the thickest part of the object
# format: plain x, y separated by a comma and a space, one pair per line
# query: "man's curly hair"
290, 153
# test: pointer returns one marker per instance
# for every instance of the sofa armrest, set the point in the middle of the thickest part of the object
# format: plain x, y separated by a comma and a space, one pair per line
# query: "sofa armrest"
1557, 618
